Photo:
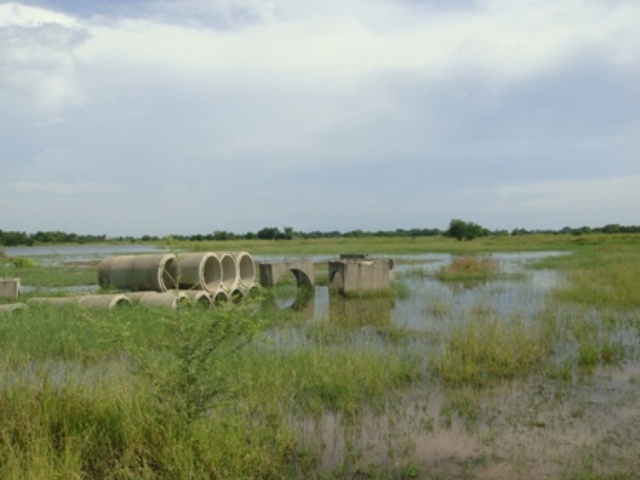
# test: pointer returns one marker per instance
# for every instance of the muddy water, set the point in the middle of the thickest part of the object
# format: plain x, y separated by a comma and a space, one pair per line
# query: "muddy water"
526, 431
430, 306
564, 428
521, 430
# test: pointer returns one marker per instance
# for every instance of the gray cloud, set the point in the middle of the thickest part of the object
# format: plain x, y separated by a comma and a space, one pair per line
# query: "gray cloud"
319, 115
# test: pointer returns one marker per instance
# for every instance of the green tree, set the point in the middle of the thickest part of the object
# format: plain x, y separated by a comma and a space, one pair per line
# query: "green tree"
462, 230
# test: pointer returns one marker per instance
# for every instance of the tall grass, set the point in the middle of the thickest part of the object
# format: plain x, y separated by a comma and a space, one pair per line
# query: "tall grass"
604, 275
469, 268
484, 351
143, 393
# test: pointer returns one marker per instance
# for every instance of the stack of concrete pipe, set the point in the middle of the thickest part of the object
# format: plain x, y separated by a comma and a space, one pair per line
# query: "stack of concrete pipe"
222, 275
159, 299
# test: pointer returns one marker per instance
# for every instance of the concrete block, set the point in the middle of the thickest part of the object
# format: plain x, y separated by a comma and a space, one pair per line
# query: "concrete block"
303, 271
10, 288
352, 275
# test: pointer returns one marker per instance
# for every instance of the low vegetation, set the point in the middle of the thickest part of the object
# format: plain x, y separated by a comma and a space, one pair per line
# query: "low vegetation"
252, 391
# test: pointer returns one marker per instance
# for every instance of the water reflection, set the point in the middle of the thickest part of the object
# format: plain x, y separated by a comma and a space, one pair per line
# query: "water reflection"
429, 304
300, 304
360, 311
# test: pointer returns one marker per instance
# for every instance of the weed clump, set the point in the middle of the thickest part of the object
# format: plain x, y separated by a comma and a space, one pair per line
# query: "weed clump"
485, 351
468, 267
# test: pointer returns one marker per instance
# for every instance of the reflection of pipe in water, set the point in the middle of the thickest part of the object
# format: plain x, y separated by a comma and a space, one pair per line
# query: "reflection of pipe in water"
359, 311
303, 304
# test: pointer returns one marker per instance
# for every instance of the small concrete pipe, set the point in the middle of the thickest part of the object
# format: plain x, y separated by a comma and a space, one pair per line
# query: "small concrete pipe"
199, 298
246, 268
229, 271
252, 290
221, 296
163, 299
237, 294
137, 272
105, 301
54, 300
12, 307
199, 270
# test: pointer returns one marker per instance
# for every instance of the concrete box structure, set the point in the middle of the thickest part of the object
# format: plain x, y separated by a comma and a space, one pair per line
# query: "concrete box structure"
355, 275
10, 288
304, 272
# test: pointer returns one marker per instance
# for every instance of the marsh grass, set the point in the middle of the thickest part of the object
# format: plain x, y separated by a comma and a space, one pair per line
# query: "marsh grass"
484, 351
469, 268
607, 275
48, 276
123, 394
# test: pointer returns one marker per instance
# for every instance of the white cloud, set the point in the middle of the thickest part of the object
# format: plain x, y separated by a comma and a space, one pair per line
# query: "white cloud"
400, 110
37, 64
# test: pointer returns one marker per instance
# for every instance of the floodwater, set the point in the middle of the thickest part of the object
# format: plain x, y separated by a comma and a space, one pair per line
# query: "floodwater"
428, 300
530, 428
523, 429
53, 254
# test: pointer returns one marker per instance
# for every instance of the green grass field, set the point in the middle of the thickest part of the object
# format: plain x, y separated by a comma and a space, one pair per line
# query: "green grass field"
248, 391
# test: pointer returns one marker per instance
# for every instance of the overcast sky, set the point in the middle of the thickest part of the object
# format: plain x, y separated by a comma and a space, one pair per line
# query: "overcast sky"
133, 117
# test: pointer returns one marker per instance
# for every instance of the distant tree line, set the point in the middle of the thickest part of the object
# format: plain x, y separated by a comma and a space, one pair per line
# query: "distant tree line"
458, 229
12, 238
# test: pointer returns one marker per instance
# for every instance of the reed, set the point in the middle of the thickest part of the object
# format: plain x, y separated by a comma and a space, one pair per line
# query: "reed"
484, 351
469, 268
261, 393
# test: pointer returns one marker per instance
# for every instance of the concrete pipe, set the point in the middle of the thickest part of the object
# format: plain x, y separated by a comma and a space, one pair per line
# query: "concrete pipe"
252, 290
137, 272
115, 270
229, 271
134, 297
221, 296
199, 298
246, 268
12, 307
237, 294
164, 299
199, 270
104, 301
54, 300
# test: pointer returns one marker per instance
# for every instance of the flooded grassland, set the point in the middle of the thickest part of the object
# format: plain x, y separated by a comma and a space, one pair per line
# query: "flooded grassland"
504, 365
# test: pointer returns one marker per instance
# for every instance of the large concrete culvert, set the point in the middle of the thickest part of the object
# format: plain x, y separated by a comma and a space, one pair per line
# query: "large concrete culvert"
230, 276
138, 272
246, 269
198, 270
